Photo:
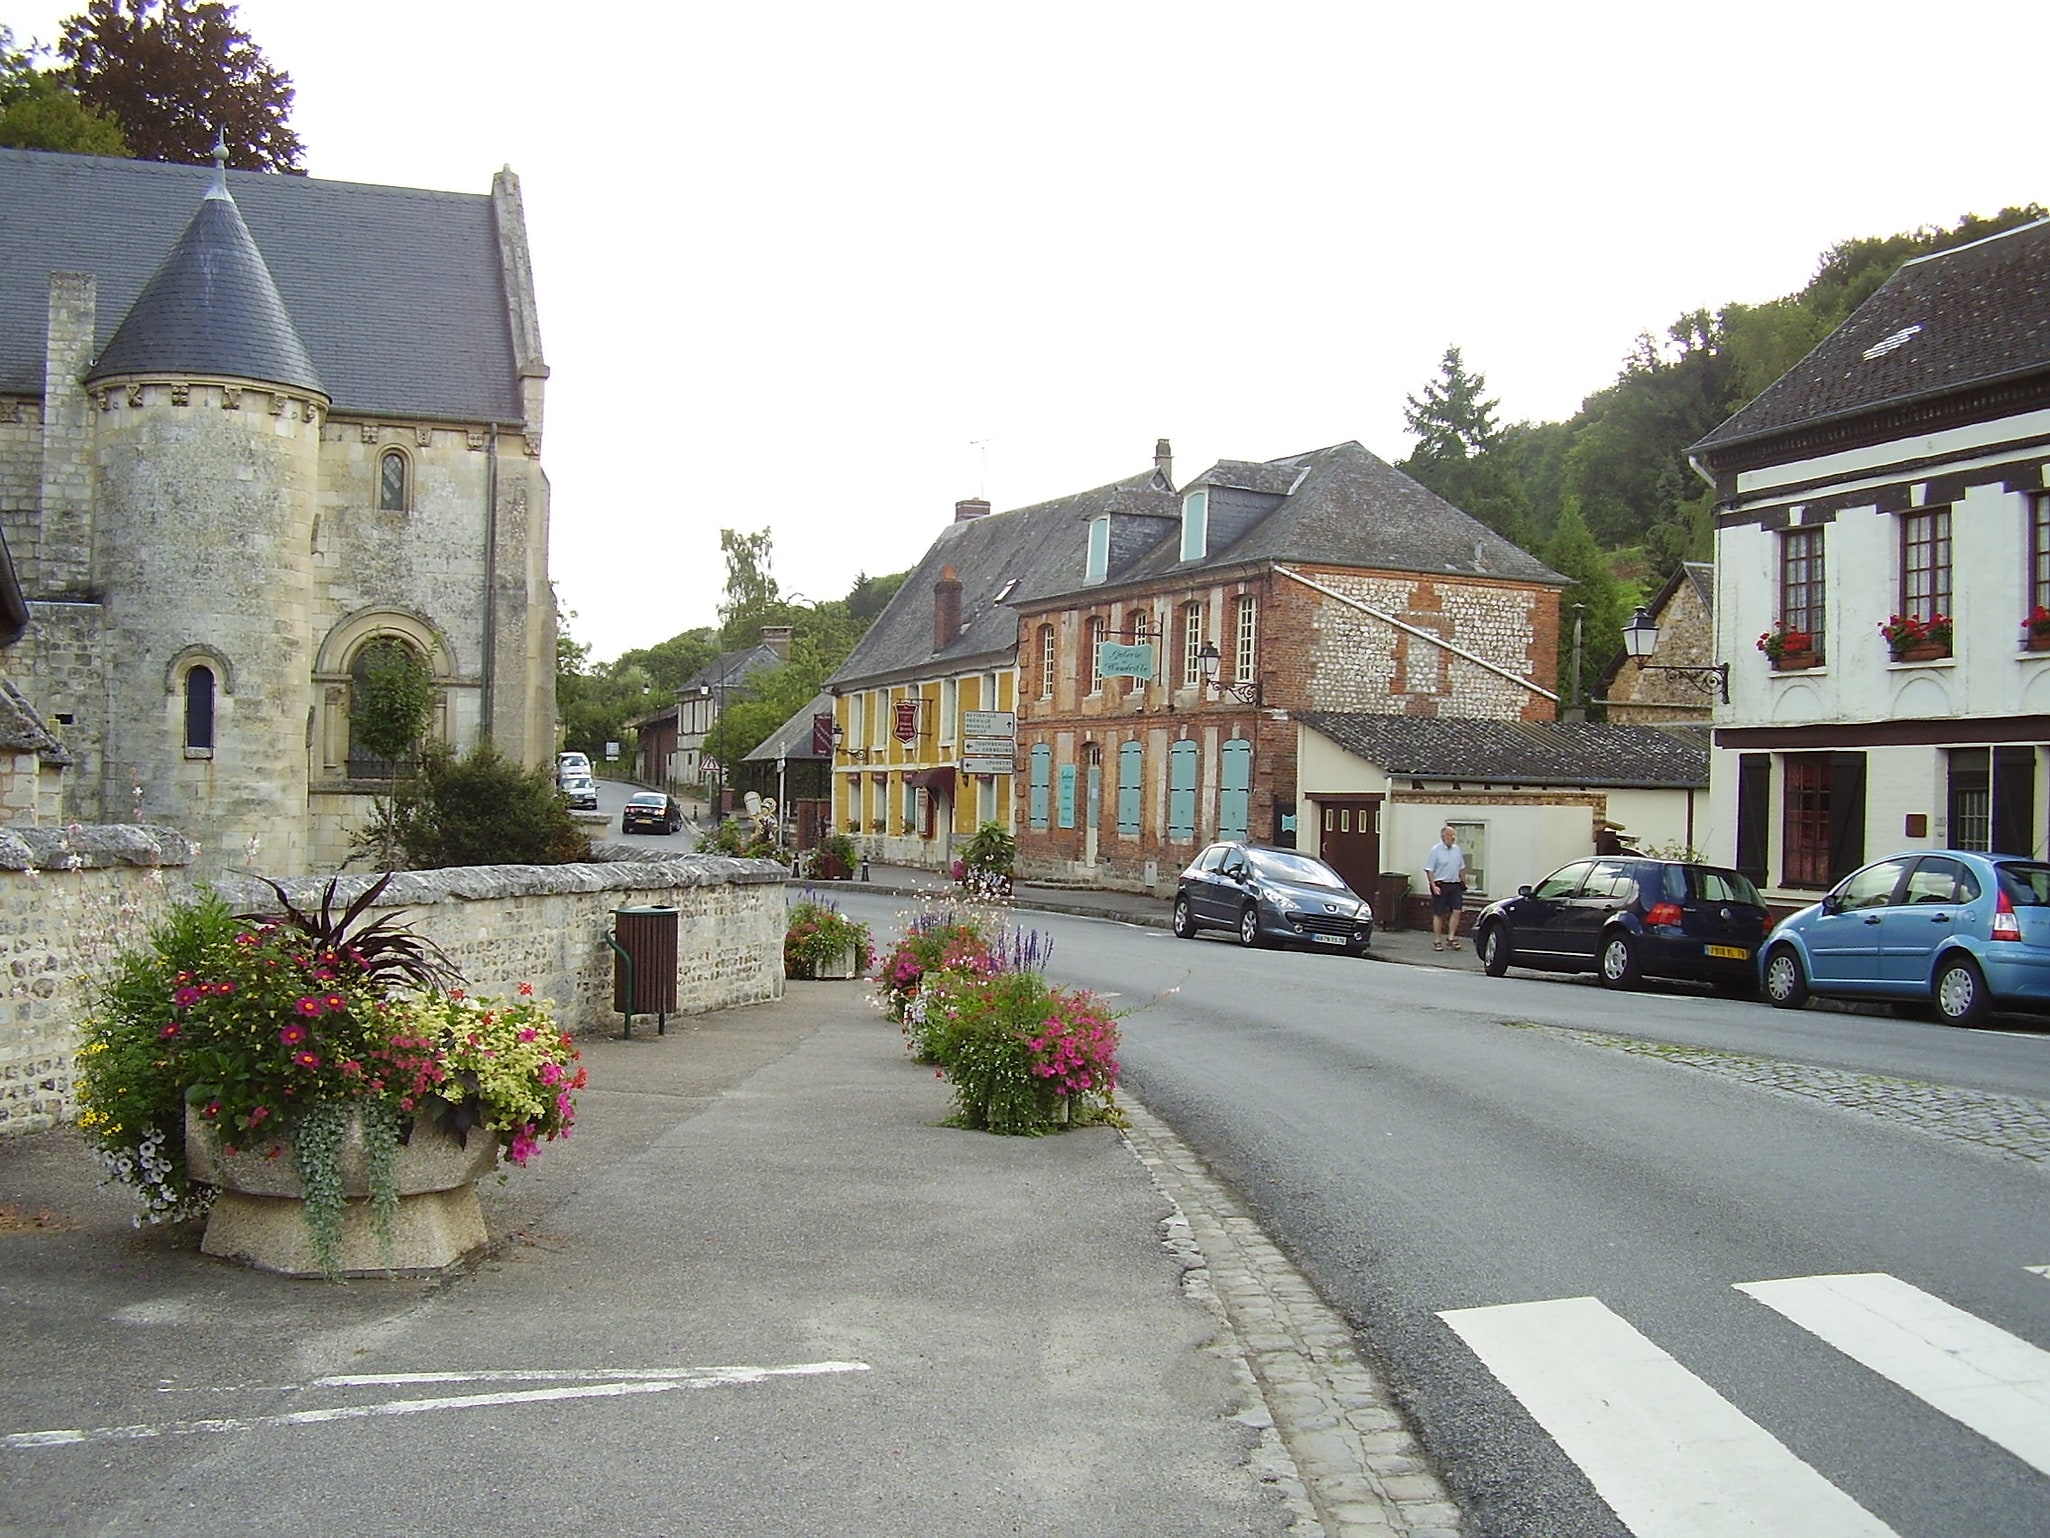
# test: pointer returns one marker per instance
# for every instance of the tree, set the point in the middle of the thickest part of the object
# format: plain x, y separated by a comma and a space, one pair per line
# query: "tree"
1573, 553
750, 585
478, 809
176, 74
1452, 421
39, 112
391, 699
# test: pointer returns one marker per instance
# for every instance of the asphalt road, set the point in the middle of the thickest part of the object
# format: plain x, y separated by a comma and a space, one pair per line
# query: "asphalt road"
1584, 1181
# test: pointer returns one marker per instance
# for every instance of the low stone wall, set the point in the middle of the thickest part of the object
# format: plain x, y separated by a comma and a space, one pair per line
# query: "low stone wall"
70, 901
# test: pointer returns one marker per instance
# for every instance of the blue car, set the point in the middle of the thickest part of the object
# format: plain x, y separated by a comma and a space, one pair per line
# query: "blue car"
1961, 931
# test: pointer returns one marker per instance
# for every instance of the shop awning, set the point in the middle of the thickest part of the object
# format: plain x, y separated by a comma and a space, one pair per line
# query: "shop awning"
939, 780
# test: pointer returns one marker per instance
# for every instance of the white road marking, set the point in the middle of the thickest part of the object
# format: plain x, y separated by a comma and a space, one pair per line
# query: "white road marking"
2043, 1271
1670, 1455
581, 1385
1976, 1373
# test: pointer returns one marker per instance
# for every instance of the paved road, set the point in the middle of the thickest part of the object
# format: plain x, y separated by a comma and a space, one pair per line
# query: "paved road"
1540, 1202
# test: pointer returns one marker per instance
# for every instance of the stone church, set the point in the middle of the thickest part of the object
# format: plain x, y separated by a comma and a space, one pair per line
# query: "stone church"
254, 428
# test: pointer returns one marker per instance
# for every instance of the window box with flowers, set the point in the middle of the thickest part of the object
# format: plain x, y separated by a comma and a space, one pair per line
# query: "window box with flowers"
1787, 647
1917, 640
2036, 630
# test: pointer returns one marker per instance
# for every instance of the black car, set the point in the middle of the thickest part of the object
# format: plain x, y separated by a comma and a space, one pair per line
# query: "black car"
1271, 896
1627, 917
649, 811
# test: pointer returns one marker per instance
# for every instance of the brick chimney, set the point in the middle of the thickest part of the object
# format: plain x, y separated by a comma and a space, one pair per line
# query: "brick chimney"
946, 607
777, 639
1163, 460
970, 508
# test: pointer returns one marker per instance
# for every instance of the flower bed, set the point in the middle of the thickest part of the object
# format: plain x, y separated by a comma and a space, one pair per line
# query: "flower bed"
821, 941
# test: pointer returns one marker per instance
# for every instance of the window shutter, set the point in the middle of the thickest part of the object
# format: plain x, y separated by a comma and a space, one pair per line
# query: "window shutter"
1235, 761
1131, 764
1042, 779
1181, 791
1846, 813
1754, 813
2014, 800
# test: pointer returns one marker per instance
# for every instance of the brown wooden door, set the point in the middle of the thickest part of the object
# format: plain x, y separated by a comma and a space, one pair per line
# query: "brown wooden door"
1349, 841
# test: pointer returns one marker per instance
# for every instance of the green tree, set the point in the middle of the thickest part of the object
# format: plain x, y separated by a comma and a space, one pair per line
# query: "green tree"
391, 699
750, 586
1573, 553
39, 112
480, 808
177, 74
1453, 420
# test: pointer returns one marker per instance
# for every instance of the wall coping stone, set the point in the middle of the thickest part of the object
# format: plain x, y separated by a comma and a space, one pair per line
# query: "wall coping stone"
467, 883
32, 847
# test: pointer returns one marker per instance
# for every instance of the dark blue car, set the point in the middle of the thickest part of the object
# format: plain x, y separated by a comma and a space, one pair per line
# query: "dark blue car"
1957, 930
1628, 917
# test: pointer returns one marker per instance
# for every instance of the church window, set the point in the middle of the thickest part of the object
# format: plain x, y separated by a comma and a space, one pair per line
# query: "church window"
391, 707
393, 482
199, 710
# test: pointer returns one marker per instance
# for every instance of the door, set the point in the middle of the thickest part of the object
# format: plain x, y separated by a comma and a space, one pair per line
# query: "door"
1843, 942
1092, 807
1923, 918
1541, 923
1349, 841
1610, 887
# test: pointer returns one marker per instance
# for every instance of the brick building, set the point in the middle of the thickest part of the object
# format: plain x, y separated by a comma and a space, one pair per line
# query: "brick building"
1162, 651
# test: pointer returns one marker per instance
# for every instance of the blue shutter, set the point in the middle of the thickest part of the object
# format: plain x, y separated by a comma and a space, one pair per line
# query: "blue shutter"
1067, 806
1042, 777
1131, 770
1235, 765
1181, 792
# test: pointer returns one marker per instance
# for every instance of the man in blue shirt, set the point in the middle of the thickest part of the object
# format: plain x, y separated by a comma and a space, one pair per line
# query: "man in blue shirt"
1445, 869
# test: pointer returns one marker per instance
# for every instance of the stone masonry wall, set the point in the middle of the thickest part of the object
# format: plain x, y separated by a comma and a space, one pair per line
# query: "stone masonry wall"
70, 901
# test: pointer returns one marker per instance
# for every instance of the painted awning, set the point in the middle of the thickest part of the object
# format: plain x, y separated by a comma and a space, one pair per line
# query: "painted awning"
940, 779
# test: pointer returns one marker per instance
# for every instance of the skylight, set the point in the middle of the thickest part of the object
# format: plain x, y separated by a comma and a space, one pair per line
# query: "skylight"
1005, 591
1898, 339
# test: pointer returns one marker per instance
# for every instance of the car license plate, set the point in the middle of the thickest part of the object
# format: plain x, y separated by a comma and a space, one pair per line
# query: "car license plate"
1329, 939
1730, 952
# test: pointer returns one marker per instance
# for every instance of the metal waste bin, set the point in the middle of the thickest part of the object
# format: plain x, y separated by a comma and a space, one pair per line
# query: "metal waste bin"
1391, 900
643, 942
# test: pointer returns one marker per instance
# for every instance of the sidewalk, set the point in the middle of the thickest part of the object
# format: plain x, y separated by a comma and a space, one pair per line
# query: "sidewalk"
761, 1291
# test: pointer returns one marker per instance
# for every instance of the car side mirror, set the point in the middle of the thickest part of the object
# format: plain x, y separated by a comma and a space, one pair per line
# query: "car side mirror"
1832, 902
1523, 891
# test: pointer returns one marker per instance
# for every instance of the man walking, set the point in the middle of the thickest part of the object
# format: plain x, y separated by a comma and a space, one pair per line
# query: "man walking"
1445, 869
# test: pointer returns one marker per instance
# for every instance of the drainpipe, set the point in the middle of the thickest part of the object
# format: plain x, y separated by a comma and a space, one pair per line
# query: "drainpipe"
489, 672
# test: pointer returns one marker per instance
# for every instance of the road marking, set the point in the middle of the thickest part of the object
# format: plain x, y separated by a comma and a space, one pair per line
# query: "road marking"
578, 1385
2043, 1271
1670, 1455
1976, 1373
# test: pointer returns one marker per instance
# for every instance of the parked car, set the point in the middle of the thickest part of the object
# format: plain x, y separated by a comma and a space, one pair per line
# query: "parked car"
1949, 928
649, 811
582, 791
1629, 917
1271, 897
567, 764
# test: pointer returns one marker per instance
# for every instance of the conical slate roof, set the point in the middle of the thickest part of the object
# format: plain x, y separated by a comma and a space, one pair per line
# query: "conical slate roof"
211, 308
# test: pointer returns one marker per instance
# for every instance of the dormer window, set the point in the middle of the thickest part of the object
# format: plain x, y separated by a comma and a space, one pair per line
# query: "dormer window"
1098, 566
1195, 525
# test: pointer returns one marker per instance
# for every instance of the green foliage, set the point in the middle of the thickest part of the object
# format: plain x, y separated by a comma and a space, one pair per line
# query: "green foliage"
39, 112
834, 858
1024, 1057
173, 74
477, 809
1573, 553
750, 585
991, 851
391, 699
740, 837
818, 932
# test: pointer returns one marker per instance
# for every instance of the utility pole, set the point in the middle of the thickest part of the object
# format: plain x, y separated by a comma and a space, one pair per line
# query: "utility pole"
1575, 711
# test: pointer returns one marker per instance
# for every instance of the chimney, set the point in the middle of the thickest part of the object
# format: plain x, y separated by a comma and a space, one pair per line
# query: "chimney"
1163, 460
946, 607
968, 509
777, 639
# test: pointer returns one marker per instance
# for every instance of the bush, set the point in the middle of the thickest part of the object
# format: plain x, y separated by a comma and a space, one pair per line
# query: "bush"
477, 809
835, 858
1023, 1056
935, 941
742, 838
819, 932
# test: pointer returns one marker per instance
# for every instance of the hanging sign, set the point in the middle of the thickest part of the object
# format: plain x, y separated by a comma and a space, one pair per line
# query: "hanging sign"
1124, 659
906, 714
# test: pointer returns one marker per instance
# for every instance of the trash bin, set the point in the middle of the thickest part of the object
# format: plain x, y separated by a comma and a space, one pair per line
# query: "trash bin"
643, 942
1391, 900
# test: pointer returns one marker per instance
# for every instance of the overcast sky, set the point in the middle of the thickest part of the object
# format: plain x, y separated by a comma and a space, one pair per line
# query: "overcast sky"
827, 268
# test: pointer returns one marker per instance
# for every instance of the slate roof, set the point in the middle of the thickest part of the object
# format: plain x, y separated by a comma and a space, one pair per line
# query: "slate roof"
792, 740
1557, 753
398, 294
1027, 552
1975, 315
734, 670
211, 308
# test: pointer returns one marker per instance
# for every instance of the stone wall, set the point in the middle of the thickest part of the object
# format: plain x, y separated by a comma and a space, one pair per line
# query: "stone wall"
70, 901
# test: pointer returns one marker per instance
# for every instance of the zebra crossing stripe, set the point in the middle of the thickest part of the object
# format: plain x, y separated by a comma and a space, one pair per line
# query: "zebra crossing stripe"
1670, 1455
1974, 1372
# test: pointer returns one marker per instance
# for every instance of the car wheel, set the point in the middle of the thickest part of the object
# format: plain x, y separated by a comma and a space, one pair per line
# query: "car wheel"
1619, 962
1184, 920
1249, 926
1960, 991
1786, 985
1495, 949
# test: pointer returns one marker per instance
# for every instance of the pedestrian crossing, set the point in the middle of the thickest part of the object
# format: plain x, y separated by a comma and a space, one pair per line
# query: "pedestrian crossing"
1674, 1459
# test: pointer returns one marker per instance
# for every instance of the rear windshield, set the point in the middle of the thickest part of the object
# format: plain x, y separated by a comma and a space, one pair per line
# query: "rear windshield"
1723, 886
2026, 883
1283, 866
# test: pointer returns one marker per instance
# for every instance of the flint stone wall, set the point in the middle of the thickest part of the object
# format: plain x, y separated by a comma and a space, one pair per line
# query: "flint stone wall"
71, 900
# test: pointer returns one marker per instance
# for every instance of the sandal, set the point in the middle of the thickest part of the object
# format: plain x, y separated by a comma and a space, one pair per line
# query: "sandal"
1453, 945
1437, 945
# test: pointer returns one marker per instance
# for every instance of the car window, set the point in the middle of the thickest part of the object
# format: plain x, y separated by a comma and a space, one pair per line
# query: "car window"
1872, 887
1213, 857
1234, 862
1563, 882
1295, 867
1723, 886
1939, 880
2026, 883
1611, 878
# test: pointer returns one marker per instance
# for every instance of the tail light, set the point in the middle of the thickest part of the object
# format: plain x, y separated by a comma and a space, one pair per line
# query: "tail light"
1665, 913
2005, 925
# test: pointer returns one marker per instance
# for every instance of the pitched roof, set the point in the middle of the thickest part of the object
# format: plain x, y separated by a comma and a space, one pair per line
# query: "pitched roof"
735, 670
1520, 752
211, 308
998, 559
1974, 315
398, 294
792, 740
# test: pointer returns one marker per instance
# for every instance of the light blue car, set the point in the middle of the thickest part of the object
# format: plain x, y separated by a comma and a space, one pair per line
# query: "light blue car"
1962, 931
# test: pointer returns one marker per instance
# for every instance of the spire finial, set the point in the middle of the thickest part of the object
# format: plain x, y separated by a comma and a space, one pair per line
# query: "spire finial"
219, 189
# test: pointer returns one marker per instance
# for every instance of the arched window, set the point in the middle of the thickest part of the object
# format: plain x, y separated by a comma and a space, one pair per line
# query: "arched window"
393, 482
391, 707
199, 709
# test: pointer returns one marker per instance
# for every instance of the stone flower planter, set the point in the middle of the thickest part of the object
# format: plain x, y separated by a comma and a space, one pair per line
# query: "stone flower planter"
839, 967
257, 1217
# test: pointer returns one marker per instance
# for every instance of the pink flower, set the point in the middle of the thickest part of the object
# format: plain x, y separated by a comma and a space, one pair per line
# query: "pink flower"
551, 1074
306, 1059
307, 1005
224, 989
335, 1001
292, 1035
524, 1145
169, 1031
185, 998
528, 1033
526, 990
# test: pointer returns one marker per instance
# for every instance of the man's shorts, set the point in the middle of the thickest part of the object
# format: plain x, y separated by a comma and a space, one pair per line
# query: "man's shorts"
1448, 898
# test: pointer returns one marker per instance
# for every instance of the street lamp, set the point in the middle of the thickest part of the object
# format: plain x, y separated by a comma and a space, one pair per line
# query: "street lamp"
1209, 659
1641, 639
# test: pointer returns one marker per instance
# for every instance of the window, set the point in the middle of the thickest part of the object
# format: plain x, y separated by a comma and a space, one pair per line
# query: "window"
1971, 798
1098, 562
1562, 883
1246, 635
1137, 626
1195, 525
1874, 886
1046, 662
1936, 880
199, 710
1925, 563
392, 481
1473, 843
1092, 682
2039, 551
1801, 583
1192, 645
1805, 831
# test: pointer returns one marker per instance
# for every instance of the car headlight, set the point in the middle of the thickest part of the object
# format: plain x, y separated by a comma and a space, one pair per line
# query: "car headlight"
1281, 902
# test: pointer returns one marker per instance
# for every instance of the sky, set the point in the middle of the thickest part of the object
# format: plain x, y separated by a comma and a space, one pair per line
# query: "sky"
826, 268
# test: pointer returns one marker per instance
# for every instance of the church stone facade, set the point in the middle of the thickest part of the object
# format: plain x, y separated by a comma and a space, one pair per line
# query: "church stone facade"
235, 453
